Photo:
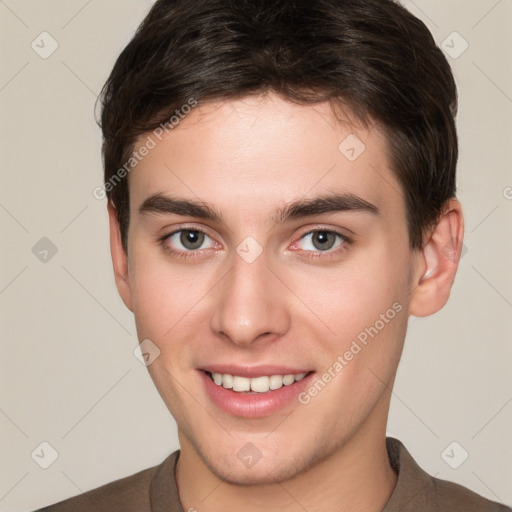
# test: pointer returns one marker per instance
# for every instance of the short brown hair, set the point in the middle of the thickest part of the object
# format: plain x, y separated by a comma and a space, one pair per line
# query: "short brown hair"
370, 55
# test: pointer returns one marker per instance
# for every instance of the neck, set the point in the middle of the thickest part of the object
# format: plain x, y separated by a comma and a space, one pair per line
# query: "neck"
356, 476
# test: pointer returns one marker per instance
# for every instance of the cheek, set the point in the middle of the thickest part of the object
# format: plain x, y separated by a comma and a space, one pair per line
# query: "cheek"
350, 298
360, 313
168, 299
160, 296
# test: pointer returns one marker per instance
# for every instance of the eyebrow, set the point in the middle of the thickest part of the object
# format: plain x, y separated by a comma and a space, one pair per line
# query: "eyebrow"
328, 203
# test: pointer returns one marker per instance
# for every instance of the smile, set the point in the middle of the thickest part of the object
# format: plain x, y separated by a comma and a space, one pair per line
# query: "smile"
261, 384
257, 392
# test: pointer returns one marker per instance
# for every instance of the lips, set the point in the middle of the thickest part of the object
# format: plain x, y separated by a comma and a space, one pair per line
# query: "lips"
254, 392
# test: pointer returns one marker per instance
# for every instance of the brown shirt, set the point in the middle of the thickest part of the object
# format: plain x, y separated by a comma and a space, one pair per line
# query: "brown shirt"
154, 490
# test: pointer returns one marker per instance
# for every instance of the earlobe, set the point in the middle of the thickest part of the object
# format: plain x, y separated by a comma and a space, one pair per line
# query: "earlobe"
439, 261
119, 258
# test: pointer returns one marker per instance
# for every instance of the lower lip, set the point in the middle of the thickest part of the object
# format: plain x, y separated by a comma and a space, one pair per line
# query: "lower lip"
253, 405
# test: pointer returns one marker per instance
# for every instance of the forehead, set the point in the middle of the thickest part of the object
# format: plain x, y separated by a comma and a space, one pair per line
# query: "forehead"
257, 153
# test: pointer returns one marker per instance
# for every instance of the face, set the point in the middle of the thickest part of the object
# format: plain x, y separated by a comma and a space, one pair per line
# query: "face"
268, 252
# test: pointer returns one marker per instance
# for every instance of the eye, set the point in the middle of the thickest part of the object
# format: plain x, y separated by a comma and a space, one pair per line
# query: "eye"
188, 240
321, 240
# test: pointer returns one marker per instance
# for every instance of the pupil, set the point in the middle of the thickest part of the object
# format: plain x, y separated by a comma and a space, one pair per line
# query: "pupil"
192, 239
323, 240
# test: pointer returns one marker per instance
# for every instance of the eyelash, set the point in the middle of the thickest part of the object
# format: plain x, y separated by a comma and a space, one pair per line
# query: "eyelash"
346, 241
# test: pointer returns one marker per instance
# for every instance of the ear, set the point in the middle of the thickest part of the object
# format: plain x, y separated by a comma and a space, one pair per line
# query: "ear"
438, 263
119, 258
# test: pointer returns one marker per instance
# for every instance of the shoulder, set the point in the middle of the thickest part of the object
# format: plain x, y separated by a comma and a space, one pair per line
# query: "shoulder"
452, 496
417, 490
131, 493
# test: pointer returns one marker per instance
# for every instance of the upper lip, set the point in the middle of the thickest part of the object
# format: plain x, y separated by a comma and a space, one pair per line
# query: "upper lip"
254, 371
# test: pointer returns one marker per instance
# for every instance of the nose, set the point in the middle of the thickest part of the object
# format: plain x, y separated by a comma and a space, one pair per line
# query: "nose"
251, 304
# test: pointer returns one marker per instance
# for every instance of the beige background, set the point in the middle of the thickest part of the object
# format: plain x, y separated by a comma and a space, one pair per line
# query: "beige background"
68, 373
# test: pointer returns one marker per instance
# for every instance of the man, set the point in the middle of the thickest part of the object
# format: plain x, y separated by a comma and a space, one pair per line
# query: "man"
280, 179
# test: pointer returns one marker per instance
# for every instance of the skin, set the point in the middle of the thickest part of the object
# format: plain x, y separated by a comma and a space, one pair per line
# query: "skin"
248, 158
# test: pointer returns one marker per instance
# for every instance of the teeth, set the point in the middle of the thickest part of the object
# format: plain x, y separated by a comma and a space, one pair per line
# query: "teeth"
241, 384
227, 381
288, 379
261, 384
276, 382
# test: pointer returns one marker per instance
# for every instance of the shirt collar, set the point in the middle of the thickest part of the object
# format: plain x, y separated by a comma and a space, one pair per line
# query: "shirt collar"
413, 487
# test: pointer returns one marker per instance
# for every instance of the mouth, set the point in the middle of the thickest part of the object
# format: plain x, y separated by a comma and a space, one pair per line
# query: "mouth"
254, 385
254, 392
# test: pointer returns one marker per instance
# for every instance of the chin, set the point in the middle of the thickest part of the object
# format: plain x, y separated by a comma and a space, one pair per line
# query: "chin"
274, 464
260, 474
